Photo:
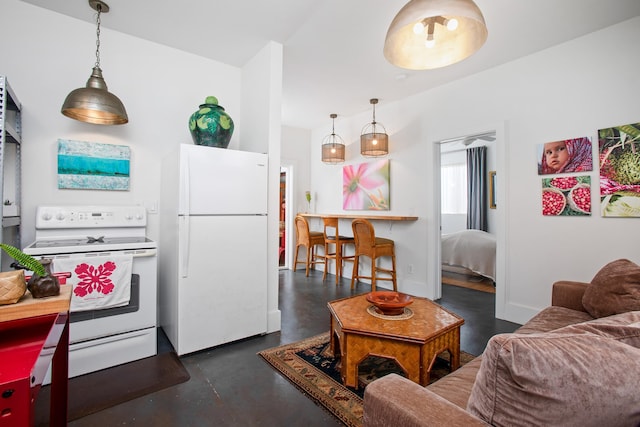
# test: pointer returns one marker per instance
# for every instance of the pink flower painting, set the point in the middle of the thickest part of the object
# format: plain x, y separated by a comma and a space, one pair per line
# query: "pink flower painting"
365, 186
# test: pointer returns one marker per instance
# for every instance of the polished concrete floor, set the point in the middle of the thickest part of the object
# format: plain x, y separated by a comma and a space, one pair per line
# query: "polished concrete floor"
232, 386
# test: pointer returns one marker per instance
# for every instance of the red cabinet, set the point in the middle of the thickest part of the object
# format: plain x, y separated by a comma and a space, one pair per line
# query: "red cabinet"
34, 333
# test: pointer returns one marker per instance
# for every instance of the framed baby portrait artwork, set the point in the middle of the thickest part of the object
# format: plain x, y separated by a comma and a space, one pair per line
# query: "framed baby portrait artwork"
619, 155
565, 156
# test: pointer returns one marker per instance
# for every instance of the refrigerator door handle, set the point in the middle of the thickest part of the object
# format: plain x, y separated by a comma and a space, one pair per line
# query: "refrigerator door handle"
183, 245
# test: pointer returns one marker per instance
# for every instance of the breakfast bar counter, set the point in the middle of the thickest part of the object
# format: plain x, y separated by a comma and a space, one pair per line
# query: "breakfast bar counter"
354, 216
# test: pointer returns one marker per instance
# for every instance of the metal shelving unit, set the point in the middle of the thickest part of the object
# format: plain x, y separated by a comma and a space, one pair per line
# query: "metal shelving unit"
10, 167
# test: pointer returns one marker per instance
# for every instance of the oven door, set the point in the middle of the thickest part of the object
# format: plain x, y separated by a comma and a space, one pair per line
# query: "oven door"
139, 314
118, 335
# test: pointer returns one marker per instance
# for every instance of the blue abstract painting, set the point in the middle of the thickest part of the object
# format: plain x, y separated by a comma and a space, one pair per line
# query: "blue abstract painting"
91, 165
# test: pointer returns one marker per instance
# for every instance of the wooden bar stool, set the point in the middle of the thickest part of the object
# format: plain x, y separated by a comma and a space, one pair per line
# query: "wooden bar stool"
308, 239
333, 238
367, 244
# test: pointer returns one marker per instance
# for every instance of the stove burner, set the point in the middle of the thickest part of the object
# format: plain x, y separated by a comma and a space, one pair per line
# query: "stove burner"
95, 239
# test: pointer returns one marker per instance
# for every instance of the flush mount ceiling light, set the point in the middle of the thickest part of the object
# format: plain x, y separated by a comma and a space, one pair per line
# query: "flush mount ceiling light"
333, 145
374, 141
94, 103
428, 34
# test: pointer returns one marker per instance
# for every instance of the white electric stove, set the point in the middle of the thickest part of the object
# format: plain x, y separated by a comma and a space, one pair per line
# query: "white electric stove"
103, 338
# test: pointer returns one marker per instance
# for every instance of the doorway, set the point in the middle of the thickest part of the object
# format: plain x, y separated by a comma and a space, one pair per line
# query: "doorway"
285, 212
282, 220
465, 251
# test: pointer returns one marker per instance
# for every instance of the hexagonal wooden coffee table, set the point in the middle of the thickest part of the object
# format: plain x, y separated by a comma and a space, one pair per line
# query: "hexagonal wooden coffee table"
413, 342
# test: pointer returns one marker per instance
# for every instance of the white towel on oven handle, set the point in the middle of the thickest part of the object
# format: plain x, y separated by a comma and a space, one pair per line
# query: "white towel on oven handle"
99, 282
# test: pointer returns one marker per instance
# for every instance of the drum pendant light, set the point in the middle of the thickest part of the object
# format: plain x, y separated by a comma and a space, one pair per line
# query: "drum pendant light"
428, 34
374, 141
94, 103
333, 145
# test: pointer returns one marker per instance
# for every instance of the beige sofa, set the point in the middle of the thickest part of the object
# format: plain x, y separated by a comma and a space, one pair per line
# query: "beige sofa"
575, 363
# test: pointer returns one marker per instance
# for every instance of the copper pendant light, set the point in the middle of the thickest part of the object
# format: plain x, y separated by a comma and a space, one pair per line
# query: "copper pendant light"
428, 34
333, 145
94, 103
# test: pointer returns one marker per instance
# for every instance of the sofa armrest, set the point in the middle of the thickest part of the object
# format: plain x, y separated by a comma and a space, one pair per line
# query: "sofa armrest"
396, 401
568, 294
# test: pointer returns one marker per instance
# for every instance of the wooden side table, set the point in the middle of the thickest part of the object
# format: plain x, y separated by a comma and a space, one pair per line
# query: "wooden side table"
414, 342
33, 334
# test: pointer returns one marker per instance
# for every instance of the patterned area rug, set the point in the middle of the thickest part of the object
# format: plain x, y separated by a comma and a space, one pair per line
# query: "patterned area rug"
310, 367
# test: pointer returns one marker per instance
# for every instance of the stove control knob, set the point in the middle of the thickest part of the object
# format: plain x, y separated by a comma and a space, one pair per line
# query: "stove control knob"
139, 216
60, 216
128, 216
46, 216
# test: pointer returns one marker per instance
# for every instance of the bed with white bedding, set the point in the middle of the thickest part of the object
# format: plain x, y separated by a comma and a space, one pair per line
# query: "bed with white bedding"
471, 250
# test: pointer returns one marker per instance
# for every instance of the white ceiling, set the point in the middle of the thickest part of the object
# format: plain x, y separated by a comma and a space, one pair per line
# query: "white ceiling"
333, 60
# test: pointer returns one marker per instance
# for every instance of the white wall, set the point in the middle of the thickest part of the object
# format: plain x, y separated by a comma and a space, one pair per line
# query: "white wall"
567, 91
262, 113
45, 55
451, 223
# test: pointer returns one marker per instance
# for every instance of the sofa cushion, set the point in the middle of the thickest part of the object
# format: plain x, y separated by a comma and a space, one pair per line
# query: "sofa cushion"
624, 327
395, 401
614, 289
456, 386
579, 376
553, 317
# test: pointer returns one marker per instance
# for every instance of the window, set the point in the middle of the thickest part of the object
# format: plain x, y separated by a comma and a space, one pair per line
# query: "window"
453, 190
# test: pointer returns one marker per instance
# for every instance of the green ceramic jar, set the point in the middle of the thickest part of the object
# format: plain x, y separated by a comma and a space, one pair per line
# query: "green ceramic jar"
211, 125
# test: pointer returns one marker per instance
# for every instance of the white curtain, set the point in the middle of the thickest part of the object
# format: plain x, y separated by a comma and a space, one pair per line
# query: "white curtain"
453, 188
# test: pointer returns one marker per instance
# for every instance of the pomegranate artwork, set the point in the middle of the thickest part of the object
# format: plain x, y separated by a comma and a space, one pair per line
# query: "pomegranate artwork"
553, 202
564, 184
580, 198
566, 196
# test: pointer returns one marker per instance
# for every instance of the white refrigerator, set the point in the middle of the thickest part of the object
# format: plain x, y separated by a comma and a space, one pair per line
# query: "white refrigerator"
212, 274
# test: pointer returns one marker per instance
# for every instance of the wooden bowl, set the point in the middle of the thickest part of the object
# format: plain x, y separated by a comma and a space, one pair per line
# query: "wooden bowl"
389, 303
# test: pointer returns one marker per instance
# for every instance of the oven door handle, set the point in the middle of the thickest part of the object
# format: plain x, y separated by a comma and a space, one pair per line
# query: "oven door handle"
183, 245
135, 253
141, 253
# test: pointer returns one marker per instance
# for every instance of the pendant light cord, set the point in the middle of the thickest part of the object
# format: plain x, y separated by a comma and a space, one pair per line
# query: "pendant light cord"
99, 7
374, 117
373, 123
333, 130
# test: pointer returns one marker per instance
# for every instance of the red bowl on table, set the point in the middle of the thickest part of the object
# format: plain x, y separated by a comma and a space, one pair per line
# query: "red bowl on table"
389, 303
